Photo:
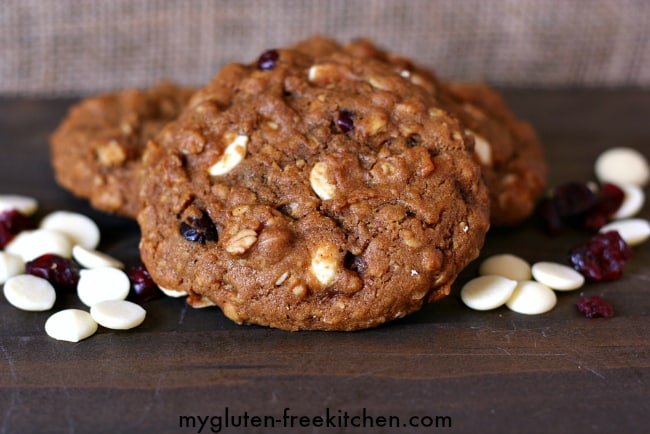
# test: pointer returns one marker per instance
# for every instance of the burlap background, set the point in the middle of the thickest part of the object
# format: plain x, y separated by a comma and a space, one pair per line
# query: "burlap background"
77, 47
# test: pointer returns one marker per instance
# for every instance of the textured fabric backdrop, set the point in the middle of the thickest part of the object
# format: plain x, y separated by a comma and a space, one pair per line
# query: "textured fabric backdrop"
77, 47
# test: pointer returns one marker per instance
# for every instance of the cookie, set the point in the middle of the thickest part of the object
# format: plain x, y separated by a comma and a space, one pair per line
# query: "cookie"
309, 191
507, 148
96, 150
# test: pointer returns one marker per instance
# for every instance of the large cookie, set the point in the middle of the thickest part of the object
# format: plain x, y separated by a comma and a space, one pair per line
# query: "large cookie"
507, 148
96, 150
310, 191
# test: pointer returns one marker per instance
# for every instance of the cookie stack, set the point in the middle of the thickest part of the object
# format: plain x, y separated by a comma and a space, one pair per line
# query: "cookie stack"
321, 187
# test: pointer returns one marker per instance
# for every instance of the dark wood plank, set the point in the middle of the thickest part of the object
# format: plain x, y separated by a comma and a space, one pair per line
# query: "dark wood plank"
490, 372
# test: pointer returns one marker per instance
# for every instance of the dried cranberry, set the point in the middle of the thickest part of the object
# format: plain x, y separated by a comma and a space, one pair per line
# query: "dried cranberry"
575, 204
594, 306
550, 217
602, 257
11, 223
199, 229
594, 220
143, 288
413, 140
268, 60
62, 273
344, 121
610, 198
354, 263
573, 199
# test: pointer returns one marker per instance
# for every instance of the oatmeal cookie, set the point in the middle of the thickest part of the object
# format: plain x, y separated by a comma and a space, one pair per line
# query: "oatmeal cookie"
311, 191
507, 148
97, 148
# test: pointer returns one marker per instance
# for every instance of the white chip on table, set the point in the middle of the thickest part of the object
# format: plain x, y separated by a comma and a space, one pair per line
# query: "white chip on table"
31, 244
90, 258
24, 204
487, 292
81, 229
633, 201
118, 314
633, 231
172, 293
622, 165
27, 292
70, 325
531, 298
99, 284
10, 265
506, 265
557, 276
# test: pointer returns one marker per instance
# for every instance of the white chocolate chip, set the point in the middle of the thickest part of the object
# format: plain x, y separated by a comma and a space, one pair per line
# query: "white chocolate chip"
29, 292
325, 73
99, 284
79, 228
200, 303
117, 314
241, 241
317, 71
234, 154
70, 325
557, 276
506, 265
24, 204
622, 165
34, 243
381, 82
532, 298
319, 181
487, 292
633, 201
10, 265
172, 293
482, 149
89, 258
633, 231
280, 280
324, 265
299, 290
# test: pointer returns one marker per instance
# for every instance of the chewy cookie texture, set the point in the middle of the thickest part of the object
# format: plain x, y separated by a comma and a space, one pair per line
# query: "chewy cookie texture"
96, 150
324, 186
312, 191
507, 148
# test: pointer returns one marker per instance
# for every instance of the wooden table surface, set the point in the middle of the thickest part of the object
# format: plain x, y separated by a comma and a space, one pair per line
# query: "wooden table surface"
457, 370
